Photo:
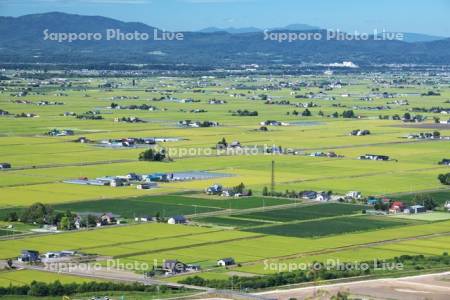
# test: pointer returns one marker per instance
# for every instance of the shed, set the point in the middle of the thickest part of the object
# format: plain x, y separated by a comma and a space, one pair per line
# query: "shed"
229, 261
177, 220
415, 209
173, 266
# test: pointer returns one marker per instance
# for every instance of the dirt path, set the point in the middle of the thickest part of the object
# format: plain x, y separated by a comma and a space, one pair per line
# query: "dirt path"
420, 287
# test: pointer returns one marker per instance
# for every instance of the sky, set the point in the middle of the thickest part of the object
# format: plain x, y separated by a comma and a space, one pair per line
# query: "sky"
363, 16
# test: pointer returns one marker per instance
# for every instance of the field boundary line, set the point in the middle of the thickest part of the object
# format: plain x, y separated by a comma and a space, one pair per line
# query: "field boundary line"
188, 246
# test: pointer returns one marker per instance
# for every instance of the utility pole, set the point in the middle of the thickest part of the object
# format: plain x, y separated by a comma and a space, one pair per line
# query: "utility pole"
272, 185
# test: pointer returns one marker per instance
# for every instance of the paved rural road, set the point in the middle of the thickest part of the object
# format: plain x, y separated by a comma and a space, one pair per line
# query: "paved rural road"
430, 286
127, 276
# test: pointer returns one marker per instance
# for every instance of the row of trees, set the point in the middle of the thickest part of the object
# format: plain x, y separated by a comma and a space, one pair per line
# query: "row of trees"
41, 289
240, 189
319, 271
42, 214
244, 113
152, 155
346, 114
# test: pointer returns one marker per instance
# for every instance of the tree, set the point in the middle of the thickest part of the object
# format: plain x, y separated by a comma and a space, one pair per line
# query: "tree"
265, 191
240, 188
64, 223
425, 200
12, 217
444, 178
38, 289
306, 113
407, 116
91, 221
152, 155
348, 114
56, 289
37, 213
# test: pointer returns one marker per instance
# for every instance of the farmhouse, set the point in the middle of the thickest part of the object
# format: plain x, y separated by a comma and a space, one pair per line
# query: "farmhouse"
214, 101
229, 261
273, 123
416, 209
318, 154
374, 200
359, 132
5, 166
3, 112
354, 195
177, 220
235, 144
158, 177
374, 157
309, 195
447, 205
59, 254
445, 162
173, 266
106, 219
323, 196
197, 124
143, 219
146, 186
29, 256
58, 132
215, 189
396, 207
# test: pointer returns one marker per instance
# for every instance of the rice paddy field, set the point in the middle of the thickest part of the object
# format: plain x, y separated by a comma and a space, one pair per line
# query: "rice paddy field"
253, 230
24, 277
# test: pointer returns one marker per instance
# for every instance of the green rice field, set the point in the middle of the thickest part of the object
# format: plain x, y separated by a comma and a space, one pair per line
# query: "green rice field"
254, 229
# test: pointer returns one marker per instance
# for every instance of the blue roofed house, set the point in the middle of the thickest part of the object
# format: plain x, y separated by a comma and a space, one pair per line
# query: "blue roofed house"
29, 256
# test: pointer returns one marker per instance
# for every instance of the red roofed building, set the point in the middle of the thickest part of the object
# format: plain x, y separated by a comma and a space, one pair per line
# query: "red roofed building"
396, 207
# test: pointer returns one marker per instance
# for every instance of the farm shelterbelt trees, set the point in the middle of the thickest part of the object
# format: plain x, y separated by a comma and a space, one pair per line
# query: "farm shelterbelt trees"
152, 155
444, 178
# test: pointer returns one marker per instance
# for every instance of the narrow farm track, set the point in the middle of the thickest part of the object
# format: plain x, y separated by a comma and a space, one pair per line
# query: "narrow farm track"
94, 163
304, 221
227, 212
363, 175
127, 276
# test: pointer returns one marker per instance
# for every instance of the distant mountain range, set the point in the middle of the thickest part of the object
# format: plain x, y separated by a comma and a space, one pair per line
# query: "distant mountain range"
293, 27
22, 40
407, 36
